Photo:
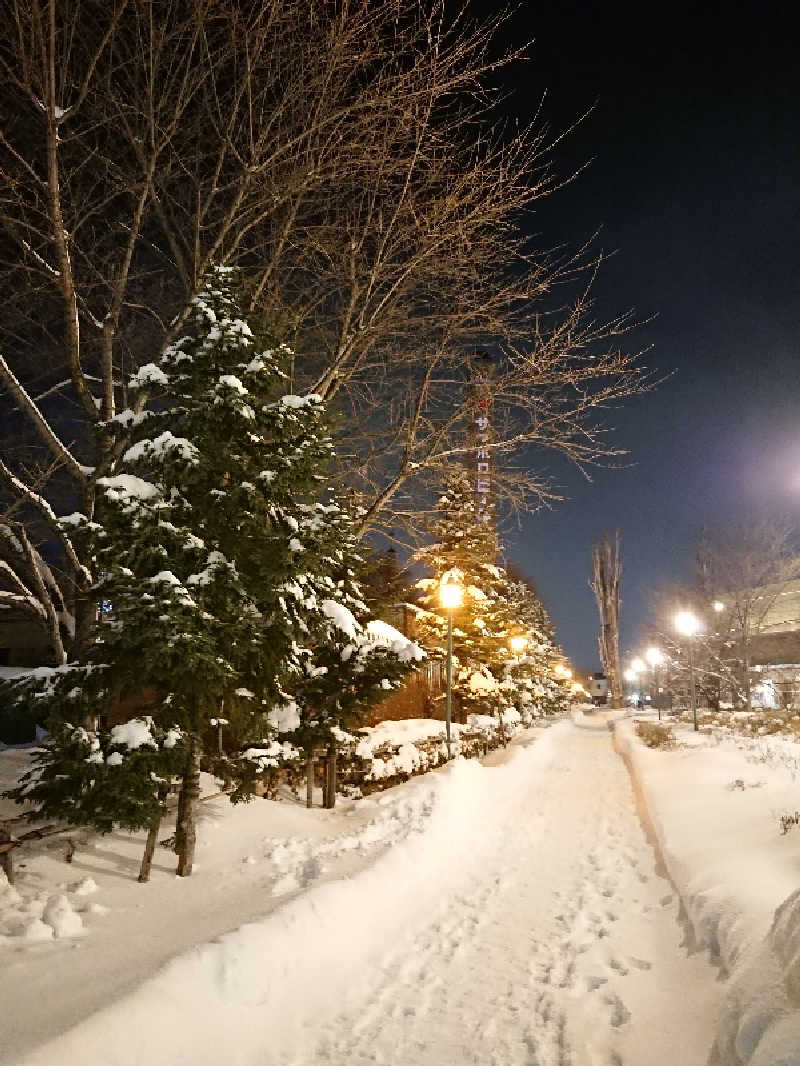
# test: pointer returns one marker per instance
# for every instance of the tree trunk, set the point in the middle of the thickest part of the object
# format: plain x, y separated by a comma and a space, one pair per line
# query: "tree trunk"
6, 855
186, 829
330, 778
607, 566
310, 778
748, 693
149, 849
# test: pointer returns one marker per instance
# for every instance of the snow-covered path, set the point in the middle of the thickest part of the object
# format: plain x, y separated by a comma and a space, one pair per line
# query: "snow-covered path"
508, 913
563, 949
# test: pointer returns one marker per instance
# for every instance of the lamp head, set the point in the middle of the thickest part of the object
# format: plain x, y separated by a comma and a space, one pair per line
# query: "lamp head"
637, 666
518, 644
654, 656
451, 592
686, 623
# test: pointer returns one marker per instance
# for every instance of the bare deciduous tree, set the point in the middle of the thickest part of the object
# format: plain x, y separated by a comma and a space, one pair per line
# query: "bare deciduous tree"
346, 159
744, 569
607, 569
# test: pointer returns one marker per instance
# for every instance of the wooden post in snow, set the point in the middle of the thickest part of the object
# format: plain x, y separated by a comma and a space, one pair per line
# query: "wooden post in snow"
607, 568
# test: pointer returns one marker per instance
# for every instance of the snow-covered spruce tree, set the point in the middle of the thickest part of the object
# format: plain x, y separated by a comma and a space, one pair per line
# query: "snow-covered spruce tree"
350, 662
219, 561
196, 540
213, 590
483, 625
537, 692
488, 676
260, 590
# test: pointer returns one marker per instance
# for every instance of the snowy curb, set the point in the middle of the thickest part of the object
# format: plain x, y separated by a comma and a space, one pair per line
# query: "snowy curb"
747, 918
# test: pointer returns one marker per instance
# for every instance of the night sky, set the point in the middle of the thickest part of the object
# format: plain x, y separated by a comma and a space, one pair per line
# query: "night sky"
694, 185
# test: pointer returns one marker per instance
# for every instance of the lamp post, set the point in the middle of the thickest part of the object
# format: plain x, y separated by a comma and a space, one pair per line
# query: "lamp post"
451, 595
655, 657
687, 624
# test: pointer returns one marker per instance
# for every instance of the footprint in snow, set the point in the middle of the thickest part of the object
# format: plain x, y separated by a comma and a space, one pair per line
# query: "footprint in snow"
620, 1015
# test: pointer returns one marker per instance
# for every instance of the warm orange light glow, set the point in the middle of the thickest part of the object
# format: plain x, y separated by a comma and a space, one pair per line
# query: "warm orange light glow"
451, 595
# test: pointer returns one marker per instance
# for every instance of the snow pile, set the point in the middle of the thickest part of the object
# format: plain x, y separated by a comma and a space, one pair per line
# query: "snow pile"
42, 916
382, 633
398, 750
715, 806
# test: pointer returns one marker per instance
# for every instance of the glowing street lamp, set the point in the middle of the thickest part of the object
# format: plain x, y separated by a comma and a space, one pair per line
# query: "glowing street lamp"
518, 645
718, 606
688, 624
638, 666
451, 595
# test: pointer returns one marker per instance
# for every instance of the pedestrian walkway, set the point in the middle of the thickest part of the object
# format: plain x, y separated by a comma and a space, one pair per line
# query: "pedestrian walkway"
565, 950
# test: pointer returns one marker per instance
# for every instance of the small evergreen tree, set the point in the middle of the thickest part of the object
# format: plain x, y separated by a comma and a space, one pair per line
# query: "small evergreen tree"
348, 662
536, 689
97, 777
489, 676
467, 549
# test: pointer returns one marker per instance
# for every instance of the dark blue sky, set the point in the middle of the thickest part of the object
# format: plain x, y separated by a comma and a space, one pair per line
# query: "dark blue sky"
695, 181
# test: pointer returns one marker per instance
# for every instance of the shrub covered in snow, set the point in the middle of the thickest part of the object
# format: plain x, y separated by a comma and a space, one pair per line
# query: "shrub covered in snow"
655, 735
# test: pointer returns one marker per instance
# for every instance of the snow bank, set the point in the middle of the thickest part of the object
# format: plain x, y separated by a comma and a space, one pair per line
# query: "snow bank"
40, 916
401, 749
245, 998
715, 805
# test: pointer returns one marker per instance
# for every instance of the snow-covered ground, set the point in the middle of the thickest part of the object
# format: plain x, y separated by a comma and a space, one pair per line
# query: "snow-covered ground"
510, 913
715, 804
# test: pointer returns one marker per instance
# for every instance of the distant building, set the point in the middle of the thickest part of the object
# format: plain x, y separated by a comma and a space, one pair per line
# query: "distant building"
775, 650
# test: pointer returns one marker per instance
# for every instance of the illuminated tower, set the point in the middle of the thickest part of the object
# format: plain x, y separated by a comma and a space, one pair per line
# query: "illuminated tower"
480, 460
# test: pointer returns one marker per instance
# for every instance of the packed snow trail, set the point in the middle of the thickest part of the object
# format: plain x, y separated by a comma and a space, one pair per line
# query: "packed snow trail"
563, 950
505, 914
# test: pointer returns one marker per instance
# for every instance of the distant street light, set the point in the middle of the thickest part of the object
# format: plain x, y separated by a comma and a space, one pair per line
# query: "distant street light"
518, 645
688, 624
719, 606
655, 657
638, 666
451, 595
